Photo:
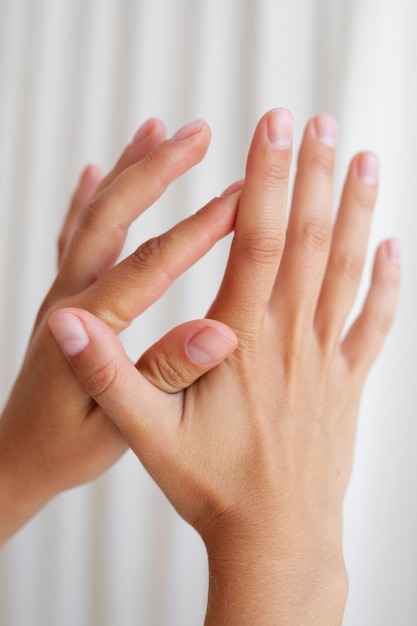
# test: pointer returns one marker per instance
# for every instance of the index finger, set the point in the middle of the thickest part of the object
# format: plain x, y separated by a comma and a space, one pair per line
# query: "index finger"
130, 287
101, 234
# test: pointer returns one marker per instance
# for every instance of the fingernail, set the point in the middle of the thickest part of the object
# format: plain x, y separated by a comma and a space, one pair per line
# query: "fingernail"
237, 186
188, 130
326, 130
69, 332
208, 346
368, 169
85, 172
394, 251
280, 126
144, 130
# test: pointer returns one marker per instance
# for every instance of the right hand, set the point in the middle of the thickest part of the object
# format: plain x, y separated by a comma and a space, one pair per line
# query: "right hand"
52, 435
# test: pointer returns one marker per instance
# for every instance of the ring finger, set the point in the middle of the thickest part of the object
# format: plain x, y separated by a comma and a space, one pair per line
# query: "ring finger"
347, 255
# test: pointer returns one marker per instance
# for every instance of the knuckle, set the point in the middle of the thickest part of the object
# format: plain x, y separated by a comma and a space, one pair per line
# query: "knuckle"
94, 209
149, 253
156, 169
103, 379
381, 321
274, 176
322, 162
349, 267
280, 170
101, 216
364, 197
92, 215
316, 233
168, 376
262, 247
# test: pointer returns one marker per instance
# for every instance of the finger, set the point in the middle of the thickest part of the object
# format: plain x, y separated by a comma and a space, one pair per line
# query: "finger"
260, 227
98, 242
348, 250
310, 225
366, 336
87, 186
172, 364
133, 285
186, 353
145, 140
107, 374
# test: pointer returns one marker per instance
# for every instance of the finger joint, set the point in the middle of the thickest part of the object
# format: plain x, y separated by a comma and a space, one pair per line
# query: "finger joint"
103, 379
262, 247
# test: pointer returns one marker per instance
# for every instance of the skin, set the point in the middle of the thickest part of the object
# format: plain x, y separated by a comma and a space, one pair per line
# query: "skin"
52, 435
257, 453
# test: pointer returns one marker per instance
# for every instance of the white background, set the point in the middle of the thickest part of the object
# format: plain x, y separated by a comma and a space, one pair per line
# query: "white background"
76, 79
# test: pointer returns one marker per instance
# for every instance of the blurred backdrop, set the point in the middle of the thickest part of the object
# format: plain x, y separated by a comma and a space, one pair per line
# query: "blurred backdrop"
77, 77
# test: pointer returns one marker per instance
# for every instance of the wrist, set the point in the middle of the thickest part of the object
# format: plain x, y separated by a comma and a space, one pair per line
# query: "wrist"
22, 491
263, 591
276, 578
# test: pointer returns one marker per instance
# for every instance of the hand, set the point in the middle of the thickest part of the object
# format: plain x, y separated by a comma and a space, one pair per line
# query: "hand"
52, 436
257, 453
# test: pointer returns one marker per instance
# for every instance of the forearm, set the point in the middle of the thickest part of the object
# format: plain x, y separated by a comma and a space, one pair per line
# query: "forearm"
15, 512
16, 509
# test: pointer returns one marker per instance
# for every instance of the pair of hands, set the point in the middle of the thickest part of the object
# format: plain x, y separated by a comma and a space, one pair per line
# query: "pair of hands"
256, 454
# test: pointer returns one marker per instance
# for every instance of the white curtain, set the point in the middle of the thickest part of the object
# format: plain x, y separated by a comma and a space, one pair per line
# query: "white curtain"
76, 79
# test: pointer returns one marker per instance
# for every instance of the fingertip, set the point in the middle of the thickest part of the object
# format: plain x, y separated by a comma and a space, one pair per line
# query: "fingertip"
233, 188
387, 264
279, 124
152, 125
143, 131
190, 129
211, 345
393, 251
91, 172
367, 168
324, 127
192, 138
69, 332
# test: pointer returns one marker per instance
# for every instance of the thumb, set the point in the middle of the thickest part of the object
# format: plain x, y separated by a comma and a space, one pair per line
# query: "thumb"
109, 377
172, 364
105, 372
186, 353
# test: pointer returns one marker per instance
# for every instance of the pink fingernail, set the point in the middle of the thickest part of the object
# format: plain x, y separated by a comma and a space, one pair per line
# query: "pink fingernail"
326, 130
192, 128
144, 130
208, 346
69, 332
368, 169
233, 188
394, 251
280, 127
